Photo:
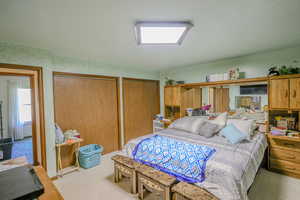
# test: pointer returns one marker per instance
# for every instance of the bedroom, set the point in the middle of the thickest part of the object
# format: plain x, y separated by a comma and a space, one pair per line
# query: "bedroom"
76, 51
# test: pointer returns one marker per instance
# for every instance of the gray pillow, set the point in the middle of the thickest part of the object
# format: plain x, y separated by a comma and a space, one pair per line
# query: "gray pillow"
188, 124
209, 129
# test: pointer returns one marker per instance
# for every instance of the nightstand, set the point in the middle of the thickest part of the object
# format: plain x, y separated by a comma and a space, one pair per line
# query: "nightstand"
284, 155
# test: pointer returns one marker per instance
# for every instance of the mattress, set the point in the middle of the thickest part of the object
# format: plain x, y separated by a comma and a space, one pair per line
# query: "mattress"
230, 171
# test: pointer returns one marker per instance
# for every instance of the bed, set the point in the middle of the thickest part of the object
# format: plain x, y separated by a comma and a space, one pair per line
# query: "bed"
230, 171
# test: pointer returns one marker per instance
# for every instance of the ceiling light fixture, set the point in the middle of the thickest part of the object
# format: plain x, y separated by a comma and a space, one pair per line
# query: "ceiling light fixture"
161, 33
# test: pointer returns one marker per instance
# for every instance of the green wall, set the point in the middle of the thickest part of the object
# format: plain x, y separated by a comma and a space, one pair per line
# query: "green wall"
16, 54
255, 65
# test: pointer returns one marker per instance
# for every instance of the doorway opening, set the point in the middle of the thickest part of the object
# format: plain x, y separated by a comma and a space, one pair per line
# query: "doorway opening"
22, 114
15, 118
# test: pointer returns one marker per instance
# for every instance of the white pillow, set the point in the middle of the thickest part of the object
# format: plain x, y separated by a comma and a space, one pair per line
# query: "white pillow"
189, 124
220, 120
245, 126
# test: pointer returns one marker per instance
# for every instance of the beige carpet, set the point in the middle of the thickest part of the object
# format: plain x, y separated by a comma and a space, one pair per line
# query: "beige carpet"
97, 184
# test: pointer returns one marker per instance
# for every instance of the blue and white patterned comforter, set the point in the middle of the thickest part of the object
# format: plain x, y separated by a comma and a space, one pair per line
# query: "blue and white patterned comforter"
186, 161
230, 171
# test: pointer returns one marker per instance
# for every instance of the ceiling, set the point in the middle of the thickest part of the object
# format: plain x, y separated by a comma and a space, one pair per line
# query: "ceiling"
102, 30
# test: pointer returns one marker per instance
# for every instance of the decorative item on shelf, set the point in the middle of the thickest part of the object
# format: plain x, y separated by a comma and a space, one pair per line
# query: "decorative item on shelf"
234, 73
217, 77
285, 69
293, 134
169, 81
180, 82
287, 123
278, 131
273, 71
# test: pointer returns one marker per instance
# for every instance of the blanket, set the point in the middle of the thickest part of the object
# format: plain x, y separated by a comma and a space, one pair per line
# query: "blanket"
183, 160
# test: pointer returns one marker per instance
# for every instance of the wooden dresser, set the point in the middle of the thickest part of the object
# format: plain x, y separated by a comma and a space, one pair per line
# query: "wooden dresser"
284, 155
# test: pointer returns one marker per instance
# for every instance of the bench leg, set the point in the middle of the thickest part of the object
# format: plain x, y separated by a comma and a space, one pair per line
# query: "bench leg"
166, 194
116, 174
141, 190
133, 182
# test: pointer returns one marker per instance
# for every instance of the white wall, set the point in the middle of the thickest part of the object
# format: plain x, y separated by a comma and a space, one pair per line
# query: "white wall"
16, 54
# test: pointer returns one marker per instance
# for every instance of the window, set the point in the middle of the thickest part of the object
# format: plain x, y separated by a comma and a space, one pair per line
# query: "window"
161, 33
24, 101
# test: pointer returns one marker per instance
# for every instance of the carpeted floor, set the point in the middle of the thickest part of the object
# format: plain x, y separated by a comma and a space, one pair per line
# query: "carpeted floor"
23, 148
97, 184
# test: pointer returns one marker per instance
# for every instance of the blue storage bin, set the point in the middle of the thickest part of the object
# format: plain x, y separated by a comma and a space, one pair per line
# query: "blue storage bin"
90, 155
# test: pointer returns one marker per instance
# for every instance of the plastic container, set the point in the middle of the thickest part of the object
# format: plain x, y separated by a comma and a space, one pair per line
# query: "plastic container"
90, 155
5, 148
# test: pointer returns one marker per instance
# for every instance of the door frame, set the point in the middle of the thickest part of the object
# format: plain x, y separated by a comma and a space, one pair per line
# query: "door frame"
38, 115
123, 97
117, 79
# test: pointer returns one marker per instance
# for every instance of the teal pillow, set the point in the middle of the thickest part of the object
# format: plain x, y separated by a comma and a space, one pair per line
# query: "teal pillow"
234, 135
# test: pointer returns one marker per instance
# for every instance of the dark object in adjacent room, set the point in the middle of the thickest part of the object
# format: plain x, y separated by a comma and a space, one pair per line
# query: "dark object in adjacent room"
20, 183
5, 143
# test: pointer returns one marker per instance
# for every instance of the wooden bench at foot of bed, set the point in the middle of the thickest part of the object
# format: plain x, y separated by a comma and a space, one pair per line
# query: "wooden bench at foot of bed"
186, 191
124, 166
145, 177
154, 181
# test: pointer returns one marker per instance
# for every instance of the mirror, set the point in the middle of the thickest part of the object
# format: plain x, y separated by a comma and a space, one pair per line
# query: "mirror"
246, 97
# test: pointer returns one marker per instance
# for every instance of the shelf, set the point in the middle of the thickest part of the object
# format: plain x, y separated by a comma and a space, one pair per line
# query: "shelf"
225, 82
283, 137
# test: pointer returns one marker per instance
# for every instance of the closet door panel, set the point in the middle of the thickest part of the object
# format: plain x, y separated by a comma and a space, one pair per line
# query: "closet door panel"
141, 104
89, 105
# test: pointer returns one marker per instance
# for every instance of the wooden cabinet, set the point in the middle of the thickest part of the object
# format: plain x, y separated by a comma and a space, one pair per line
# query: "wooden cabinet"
279, 94
191, 98
295, 93
172, 96
177, 99
284, 155
168, 94
284, 93
176, 96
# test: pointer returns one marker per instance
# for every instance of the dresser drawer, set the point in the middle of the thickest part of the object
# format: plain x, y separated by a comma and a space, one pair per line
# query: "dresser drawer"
285, 155
285, 166
285, 143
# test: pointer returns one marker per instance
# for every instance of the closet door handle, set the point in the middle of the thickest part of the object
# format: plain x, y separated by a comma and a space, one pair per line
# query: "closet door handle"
294, 94
286, 93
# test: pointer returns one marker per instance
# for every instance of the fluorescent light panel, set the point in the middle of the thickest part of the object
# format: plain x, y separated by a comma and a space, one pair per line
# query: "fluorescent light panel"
161, 33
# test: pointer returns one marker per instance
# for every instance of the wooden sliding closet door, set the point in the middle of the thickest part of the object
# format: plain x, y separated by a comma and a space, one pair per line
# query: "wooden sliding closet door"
141, 104
88, 104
